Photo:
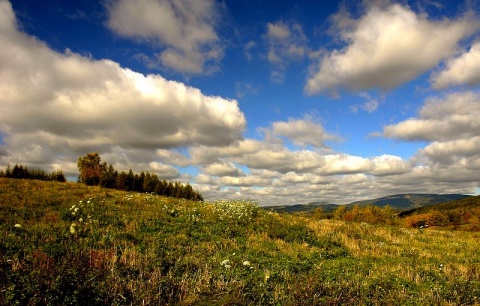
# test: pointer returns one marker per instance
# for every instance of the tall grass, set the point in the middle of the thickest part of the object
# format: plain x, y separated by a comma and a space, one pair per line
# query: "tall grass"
69, 244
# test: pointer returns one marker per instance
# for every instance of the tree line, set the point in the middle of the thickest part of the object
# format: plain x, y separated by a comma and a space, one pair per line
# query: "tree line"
95, 173
369, 214
22, 172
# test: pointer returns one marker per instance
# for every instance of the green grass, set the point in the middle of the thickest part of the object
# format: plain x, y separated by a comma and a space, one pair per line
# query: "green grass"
68, 244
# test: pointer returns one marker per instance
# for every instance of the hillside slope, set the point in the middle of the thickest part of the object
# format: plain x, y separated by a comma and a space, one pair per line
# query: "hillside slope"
460, 204
69, 244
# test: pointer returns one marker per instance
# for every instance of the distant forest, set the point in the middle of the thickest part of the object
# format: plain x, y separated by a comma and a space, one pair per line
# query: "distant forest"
22, 172
95, 173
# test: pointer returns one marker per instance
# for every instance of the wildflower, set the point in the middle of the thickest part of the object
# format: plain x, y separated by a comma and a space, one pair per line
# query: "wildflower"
246, 263
226, 261
18, 225
267, 276
88, 202
76, 209
80, 220
73, 229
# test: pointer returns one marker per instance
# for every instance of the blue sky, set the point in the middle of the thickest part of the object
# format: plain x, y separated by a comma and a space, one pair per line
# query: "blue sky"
281, 102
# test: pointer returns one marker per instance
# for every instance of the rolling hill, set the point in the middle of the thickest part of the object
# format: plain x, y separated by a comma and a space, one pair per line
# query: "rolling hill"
409, 201
462, 204
398, 202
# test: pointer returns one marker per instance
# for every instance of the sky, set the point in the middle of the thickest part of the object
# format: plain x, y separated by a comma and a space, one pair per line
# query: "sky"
280, 102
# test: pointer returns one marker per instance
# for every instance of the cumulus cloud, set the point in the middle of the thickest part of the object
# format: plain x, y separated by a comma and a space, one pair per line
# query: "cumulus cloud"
303, 132
286, 43
184, 29
453, 151
386, 47
58, 106
64, 104
223, 168
449, 124
454, 116
462, 70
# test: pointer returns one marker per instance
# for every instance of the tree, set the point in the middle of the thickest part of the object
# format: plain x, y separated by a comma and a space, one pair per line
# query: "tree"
58, 175
340, 212
90, 169
122, 181
108, 179
318, 214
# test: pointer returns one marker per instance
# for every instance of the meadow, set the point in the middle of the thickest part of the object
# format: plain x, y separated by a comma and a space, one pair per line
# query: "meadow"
71, 244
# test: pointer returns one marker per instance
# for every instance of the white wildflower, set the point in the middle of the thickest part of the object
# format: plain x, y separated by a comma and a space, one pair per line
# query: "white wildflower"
267, 276
73, 228
18, 225
246, 263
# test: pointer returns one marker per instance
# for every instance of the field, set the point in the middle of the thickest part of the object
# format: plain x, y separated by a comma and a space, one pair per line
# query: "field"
69, 244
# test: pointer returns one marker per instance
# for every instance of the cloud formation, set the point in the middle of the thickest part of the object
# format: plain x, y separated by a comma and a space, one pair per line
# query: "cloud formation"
57, 106
303, 132
454, 116
64, 104
286, 43
450, 126
386, 47
462, 70
184, 29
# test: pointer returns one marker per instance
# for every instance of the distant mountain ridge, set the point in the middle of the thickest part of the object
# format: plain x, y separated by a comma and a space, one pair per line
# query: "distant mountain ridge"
410, 200
303, 208
397, 201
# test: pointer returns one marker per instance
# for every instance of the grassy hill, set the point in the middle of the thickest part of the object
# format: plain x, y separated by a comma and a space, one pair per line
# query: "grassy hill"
458, 214
461, 204
68, 244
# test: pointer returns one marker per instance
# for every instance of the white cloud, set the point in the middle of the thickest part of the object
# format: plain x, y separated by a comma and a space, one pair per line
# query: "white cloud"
451, 158
223, 168
386, 47
462, 70
56, 107
345, 164
449, 152
454, 116
165, 171
286, 43
389, 165
369, 106
303, 132
64, 104
185, 29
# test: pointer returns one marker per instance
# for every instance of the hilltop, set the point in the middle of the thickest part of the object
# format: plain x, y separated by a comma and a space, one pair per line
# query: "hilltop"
71, 244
